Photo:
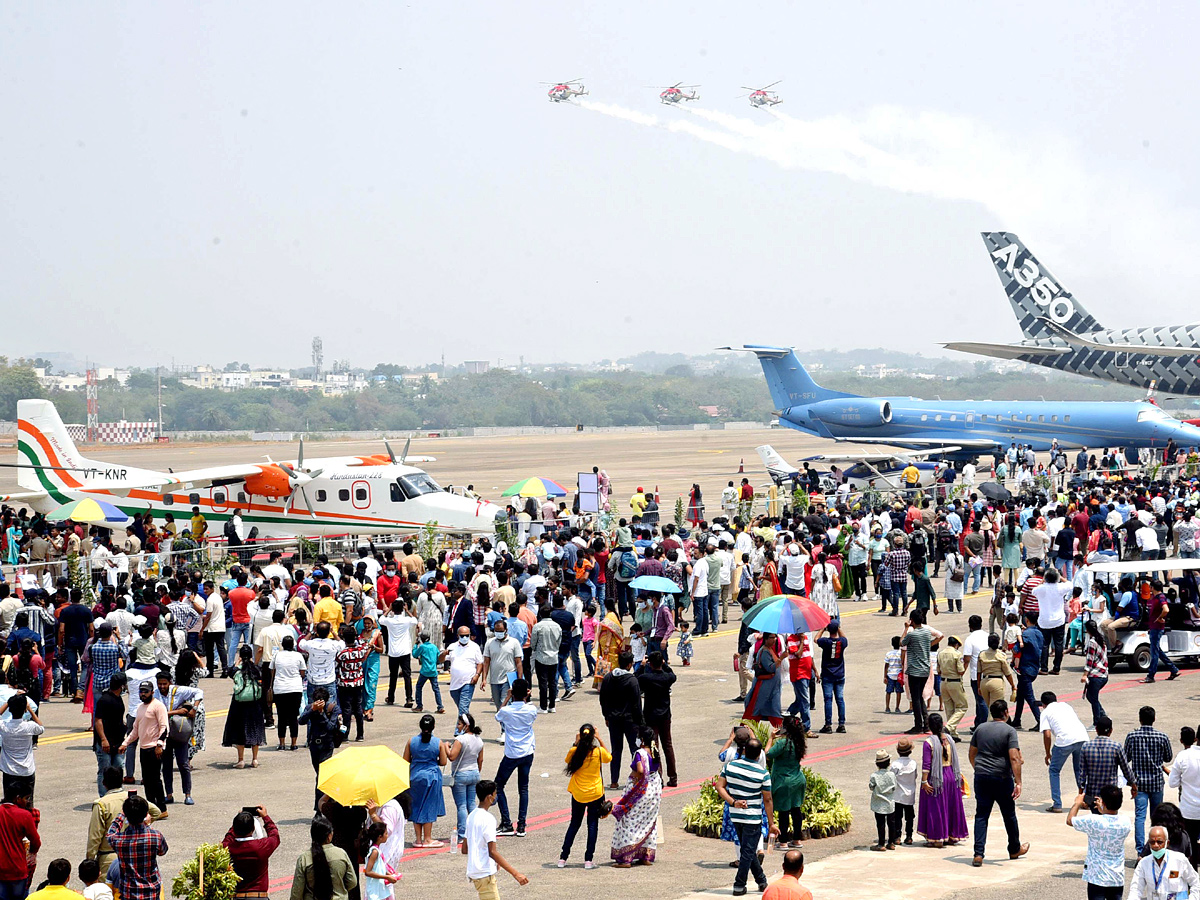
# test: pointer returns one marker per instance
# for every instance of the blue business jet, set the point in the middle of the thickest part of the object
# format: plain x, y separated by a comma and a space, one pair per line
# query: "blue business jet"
966, 428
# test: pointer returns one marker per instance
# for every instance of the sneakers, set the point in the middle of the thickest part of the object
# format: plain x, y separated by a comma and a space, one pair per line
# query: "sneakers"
827, 729
505, 828
552, 710
569, 694
188, 801
841, 729
562, 864
589, 865
520, 830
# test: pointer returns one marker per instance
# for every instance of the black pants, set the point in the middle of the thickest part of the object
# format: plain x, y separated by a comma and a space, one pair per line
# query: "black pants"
662, 728
860, 579
905, 812
547, 676
1105, 892
268, 679
318, 755
981, 710
213, 640
916, 690
790, 824
593, 825
287, 707
886, 828
1054, 635
989, 792
620, 732
748, 863
152, 777
350, 699
177, 754
400, 665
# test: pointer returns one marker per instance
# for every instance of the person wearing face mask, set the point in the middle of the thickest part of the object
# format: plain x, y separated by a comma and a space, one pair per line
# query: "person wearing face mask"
388, 585
466, 668
502, 662
1163, 873
1104, 865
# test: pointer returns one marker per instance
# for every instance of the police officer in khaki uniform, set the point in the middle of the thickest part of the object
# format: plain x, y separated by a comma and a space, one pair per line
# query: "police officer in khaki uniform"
954, 698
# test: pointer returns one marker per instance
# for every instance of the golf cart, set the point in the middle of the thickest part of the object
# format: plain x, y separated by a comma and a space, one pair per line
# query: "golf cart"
1181, 639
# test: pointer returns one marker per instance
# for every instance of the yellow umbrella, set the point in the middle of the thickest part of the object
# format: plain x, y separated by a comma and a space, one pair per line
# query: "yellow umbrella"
359, 774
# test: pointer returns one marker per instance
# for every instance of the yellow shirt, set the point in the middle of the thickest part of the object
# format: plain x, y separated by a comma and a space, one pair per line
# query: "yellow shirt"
56, 892
911, 474
638, 504
199, 527
587, 784
328, 610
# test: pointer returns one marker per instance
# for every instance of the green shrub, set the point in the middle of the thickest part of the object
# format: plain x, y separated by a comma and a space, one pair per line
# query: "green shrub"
220, 881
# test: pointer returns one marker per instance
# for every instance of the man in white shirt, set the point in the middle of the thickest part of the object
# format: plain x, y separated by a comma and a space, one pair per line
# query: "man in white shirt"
322, 652
791, 567
213, 625
274, 569
1052, 595
399, 627
699, 587
726, 559
1063, 736
976, 643
1163, 873
466, 667
479, 847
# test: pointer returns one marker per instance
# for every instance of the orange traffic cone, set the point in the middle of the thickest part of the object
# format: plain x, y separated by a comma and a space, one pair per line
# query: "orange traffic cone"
742, 466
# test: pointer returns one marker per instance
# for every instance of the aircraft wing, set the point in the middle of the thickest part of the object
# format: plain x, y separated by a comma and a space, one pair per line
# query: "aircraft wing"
1080, 340
330, 462
192, 478
1006, 351
880, 457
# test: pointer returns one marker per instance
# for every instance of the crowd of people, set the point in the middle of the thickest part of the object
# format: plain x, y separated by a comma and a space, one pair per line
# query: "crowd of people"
305, 647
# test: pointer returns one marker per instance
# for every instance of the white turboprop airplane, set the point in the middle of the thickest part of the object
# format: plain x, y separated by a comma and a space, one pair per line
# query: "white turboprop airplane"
308, 498
883, 468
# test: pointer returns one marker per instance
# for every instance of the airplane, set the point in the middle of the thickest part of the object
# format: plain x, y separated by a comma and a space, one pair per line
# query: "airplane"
377, 494
882, 468
763, 96
563, 91
963, 429
677, 92
1059, 333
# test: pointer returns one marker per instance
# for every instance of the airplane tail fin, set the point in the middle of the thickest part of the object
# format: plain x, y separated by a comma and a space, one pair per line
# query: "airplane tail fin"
1034, 293
43, 441
776, 466
789, 382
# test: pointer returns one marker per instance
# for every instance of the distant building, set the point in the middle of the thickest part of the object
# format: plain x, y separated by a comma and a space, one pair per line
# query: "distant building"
476, 366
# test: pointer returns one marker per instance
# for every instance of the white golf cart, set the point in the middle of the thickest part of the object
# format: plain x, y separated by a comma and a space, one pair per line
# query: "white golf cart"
1180, 641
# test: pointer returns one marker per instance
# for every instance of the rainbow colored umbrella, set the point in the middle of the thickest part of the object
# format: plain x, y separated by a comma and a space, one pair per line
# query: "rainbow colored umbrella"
536, 487
786, 614
91, 511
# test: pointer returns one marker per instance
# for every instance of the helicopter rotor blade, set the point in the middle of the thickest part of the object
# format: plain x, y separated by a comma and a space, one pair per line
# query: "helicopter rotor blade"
773, 83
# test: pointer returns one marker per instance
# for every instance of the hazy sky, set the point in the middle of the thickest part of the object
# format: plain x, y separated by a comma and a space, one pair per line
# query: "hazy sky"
217, 181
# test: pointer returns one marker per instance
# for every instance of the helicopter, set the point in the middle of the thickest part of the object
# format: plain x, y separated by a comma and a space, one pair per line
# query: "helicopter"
677, 92
563, 91
764, 96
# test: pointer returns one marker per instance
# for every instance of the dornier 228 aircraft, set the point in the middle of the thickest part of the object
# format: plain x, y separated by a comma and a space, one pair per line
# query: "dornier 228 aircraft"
333, 495
965, 429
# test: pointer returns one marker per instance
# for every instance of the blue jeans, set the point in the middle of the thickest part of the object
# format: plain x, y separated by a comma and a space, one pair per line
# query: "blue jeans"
800, 704
831, 689
106, 759
521, 766
461, 697
1156, 652
701, 605
1143, 802
236, 631
714, 610
900, 595
1058, 758
601, 596
463, 791
563, 672
1092, 692
974, 578
591, 660
437, 691
14, 890
70, 661
576, 643
1025, 695
1067, 567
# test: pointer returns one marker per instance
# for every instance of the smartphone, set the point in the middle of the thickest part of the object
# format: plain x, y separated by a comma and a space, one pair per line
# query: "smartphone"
132, 792
253, 810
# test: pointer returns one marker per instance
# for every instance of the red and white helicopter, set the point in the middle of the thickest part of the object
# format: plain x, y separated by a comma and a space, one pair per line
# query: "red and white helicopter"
677, 92
563, 91
763, 96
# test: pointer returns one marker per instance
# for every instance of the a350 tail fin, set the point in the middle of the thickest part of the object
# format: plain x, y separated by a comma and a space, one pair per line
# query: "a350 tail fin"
1034, 293
778, 468
44, 445
789, 382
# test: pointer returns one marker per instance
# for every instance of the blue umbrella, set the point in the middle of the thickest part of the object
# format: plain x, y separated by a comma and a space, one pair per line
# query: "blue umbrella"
656, 583
786, 614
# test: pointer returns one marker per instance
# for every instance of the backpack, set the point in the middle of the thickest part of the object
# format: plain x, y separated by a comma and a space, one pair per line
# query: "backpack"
246, 690
629, 564
229, 530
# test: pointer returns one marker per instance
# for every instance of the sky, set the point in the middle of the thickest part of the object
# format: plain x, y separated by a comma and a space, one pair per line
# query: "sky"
188, 183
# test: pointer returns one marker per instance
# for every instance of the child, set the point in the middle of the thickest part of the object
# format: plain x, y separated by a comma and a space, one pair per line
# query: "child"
685, 643
891, 676
1012, 636
97, 888
905, 770
378, 880
1010, 602
883, 789
589, 637
637, 644
427, 655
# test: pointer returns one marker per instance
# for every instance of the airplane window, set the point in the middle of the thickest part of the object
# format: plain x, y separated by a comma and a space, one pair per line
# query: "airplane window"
360, 493
194, 499
416, 484
1066, 418
168, 499
983, 417
1029, 418
1014, 418
970, 417
1041, 418
924, 417
241, 497
219, 497
321, 496
953, 418
938, 417
1054, 418
397, 495
343, 494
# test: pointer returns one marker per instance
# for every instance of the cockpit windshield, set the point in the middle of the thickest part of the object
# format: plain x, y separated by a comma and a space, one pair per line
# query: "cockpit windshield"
417, 484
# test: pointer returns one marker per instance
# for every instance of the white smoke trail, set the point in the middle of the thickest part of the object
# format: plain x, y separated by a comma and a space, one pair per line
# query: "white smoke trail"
678, 126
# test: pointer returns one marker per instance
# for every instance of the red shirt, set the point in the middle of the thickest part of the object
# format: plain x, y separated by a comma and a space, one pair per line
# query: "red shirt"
16, 823
241, 598
800, 661
250, 857
389, 588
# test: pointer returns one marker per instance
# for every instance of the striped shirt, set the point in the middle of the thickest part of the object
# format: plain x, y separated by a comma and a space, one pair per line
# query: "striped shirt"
746, 780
